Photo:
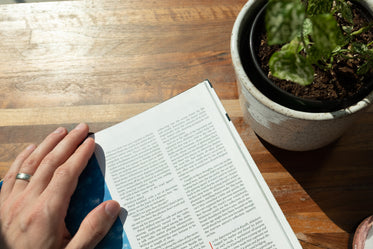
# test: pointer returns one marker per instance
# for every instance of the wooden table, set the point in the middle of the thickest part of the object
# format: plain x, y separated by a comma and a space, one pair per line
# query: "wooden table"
103, 61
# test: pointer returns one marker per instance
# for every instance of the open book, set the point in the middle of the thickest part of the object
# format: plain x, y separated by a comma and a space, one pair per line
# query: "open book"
184, 179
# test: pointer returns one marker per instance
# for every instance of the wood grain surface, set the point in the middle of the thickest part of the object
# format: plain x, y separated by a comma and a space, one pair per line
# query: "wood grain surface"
103, 61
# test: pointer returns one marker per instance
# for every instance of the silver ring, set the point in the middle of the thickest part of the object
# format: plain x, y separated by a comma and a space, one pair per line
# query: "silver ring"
23, 176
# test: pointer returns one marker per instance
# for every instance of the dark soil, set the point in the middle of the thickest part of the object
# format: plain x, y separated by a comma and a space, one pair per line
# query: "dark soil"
340, 82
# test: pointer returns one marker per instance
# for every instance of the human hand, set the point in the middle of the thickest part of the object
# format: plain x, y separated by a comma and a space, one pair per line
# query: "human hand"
32, 214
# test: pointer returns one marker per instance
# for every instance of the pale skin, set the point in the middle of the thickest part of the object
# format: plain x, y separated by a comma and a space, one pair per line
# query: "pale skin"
32, 213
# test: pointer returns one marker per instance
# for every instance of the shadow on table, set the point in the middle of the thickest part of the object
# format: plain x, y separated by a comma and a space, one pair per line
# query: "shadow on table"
339, 180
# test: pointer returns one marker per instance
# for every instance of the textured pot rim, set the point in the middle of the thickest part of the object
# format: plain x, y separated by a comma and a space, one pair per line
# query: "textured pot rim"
241, 74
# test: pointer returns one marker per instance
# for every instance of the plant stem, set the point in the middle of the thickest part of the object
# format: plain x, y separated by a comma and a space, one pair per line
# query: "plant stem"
301, 28
358, 32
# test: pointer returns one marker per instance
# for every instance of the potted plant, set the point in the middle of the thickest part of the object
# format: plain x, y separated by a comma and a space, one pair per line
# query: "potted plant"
282, 118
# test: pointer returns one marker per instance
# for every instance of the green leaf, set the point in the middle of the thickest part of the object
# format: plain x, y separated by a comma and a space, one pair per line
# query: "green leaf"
347, 29
307, 27
291, 66
284, 20
361, 48
294, 46
326, 35
365, 68
314, 55
316, 7
366, 54
344, 8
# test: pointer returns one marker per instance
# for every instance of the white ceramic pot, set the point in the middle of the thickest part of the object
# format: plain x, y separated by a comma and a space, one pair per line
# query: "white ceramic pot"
283, 127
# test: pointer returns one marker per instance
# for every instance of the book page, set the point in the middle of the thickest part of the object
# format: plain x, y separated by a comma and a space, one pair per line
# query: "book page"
186, 180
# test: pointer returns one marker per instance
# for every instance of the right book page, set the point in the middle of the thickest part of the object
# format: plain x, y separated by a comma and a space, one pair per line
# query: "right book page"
186, 179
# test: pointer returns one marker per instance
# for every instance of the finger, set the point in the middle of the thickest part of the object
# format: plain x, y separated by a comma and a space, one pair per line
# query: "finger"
96, 225
10, 177
62, 151
32, 162
65, 177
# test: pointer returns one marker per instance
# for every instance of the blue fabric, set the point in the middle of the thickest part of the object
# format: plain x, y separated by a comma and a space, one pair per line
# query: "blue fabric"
90, 192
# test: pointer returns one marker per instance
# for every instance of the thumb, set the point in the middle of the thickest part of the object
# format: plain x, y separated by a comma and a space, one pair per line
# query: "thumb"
95, 226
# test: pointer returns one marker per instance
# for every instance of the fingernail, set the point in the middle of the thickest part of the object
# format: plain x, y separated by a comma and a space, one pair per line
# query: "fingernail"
31, 147
112, 209
59, 130
88, 140
80, 126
